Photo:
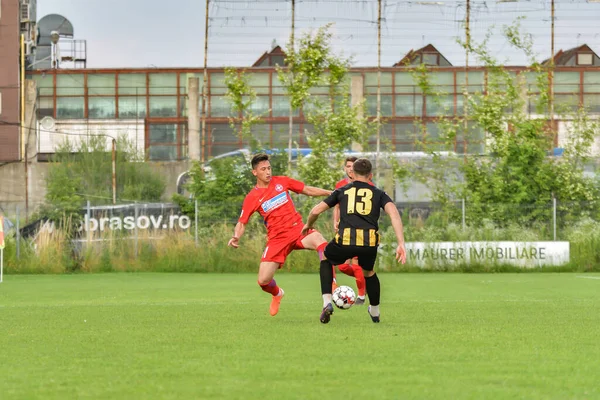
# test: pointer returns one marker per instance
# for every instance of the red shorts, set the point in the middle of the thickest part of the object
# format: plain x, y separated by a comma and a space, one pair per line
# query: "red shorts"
280, 247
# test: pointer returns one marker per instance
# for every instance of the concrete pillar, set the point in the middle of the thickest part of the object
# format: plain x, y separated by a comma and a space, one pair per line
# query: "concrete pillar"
30, 122
356, 97
193, 119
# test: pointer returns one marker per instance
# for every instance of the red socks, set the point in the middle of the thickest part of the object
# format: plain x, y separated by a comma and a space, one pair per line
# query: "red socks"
346, 269
357, 272
271, 287
360, 280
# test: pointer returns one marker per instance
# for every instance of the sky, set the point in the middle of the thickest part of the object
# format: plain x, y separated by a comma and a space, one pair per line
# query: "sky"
159, 33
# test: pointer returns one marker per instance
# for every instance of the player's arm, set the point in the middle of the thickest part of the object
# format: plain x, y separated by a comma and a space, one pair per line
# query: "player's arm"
315, 191
392, 211
240, 227
238, 231
336, 217
314, 214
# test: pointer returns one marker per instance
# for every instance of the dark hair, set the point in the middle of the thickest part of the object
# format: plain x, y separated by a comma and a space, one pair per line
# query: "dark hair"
351, 159
258, 158
362, 167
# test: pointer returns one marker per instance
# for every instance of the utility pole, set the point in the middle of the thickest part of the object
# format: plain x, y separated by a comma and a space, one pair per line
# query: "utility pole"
22, 127
377, 166
466, 92
291, 122
551, 77
204, 86
114, 171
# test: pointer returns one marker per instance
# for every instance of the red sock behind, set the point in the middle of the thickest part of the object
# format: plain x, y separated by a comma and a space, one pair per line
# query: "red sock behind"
360, 280
347, 269
270, 287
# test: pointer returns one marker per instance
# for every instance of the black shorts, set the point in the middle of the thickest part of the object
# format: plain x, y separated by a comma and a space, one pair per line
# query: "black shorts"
338, 254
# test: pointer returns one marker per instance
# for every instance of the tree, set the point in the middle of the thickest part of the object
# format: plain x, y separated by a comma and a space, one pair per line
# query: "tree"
83, 172
337, 124
517, 168
306, 63
241, 97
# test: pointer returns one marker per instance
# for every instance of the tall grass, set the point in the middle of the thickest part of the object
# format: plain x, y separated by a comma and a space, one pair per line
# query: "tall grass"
176, 251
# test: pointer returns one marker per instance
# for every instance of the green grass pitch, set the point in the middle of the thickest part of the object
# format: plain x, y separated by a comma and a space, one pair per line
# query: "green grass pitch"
210, 336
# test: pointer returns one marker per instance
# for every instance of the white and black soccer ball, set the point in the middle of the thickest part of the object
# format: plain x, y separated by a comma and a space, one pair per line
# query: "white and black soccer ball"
343, 297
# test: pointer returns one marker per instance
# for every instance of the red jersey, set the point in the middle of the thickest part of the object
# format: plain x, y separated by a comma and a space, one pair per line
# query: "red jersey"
346, 181
274, 204
342, 182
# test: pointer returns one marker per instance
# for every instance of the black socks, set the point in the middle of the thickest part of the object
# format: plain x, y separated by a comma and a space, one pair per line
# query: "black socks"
373, 288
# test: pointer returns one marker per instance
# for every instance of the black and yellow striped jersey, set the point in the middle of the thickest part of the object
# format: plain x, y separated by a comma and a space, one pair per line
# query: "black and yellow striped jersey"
360, 206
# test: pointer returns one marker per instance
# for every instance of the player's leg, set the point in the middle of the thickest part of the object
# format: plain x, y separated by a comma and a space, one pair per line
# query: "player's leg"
326, 276
315, 241
367, 261
266, 281
346, 268
353, 269
334, 254
272, 259
360, 281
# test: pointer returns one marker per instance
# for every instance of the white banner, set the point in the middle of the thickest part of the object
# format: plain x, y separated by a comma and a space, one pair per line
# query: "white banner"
524, 254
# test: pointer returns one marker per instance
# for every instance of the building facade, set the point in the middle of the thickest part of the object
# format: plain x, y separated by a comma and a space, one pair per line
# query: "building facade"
150, 105
9, 80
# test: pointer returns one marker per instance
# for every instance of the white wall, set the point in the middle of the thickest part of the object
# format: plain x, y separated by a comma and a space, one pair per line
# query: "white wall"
49, 139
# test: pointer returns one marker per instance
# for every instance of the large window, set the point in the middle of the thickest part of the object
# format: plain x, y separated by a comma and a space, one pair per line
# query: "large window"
163, 84
69, 85
167, 142
101, 84
259, 82
443, 82
371, 81
45, 84
439, 105
592, 103
591, 88
101, 107
163, 106
566, 82
386, 105
132, 84
184, 81
219, 106
45, 107
386, 138
262, 133
70, 107
405, 83
281, 107
476, 82
409, 105
223, 133
260, 106
132, 107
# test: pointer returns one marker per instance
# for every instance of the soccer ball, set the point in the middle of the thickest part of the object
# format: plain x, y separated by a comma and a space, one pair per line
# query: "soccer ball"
343, 297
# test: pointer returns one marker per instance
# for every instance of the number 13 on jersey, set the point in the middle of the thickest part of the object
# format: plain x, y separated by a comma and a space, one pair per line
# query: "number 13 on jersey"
359, 201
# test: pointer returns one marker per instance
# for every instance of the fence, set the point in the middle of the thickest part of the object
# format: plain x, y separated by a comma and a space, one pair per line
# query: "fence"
457, 221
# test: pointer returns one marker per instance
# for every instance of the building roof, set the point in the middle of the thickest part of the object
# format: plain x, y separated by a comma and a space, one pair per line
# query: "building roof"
415, 57
275, 51
567, 57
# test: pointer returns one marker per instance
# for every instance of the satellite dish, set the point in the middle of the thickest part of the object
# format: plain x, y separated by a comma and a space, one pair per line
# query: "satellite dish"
48, 123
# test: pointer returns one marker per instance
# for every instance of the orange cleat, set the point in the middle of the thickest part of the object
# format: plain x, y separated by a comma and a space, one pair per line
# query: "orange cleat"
275, 302
334, 286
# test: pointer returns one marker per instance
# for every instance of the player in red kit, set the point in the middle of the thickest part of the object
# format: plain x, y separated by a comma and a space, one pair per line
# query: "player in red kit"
350, 267
270, 198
